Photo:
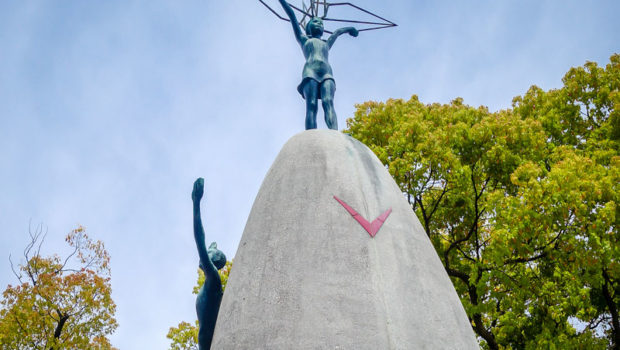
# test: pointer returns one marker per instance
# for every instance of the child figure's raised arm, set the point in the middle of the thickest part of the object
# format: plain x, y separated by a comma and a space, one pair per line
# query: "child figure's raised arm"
301, 38
199, 233
338, 32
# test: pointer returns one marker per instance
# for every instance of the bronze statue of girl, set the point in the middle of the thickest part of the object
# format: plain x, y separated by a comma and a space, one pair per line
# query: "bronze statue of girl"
317, 80
212, 259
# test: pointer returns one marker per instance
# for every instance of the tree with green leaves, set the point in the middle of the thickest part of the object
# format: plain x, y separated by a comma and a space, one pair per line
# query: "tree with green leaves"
522, 205
185, 335
59, 303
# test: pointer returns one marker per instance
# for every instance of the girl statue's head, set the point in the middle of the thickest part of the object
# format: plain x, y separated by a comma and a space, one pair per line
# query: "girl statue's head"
314, 27
217, 256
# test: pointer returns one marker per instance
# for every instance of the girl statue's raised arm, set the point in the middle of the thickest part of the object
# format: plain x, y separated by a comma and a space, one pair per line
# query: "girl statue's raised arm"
199, 234
210, 294
338, 32
291, 15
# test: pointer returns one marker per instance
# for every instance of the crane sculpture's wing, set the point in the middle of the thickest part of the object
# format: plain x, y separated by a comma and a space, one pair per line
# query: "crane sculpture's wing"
363, 19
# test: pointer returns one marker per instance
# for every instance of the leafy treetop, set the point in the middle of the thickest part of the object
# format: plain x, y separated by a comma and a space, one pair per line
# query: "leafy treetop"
60, 303
521, 205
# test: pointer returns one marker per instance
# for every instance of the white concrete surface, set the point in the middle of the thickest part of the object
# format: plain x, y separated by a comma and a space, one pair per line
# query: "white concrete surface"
308, 276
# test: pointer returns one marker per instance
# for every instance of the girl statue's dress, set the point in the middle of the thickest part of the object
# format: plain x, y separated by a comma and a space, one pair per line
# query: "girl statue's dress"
317, 65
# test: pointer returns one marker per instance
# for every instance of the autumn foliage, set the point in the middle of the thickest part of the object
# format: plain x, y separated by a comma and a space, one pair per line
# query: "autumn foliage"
522, 205
59, 303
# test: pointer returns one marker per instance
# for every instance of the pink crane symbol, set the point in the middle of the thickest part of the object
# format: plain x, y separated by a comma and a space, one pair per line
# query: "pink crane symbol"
371, 227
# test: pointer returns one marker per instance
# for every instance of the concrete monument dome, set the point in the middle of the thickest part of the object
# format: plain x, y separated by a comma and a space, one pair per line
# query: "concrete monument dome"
333, 257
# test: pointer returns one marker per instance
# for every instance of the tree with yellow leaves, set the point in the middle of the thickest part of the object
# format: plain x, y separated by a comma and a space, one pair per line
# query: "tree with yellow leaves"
522, 205
59, 303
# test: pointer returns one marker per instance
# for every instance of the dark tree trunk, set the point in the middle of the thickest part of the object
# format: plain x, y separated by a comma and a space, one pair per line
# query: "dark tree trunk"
61, 323
478, 327
479, 323
613, 310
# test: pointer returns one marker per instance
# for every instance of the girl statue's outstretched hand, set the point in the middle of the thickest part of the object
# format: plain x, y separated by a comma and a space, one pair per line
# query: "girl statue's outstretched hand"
198, 191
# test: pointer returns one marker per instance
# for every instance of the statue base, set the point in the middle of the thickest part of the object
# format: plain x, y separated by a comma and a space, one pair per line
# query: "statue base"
310, 274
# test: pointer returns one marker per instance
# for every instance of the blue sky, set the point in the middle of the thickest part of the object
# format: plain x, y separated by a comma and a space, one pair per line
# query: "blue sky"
110, 109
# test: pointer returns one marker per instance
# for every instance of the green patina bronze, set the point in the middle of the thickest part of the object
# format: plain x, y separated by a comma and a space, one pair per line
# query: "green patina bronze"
211, 260
317, 80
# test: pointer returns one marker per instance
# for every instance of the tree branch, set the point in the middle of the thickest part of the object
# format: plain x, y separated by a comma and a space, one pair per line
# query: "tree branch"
418, 199
525, 260
444, 191
19, 277
62, 267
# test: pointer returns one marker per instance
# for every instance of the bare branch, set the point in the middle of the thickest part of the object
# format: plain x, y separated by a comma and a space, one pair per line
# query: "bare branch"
33, 238
42, 239
62, 267
19, 277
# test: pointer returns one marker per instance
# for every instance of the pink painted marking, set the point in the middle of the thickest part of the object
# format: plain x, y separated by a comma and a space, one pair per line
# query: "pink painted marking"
371, 227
